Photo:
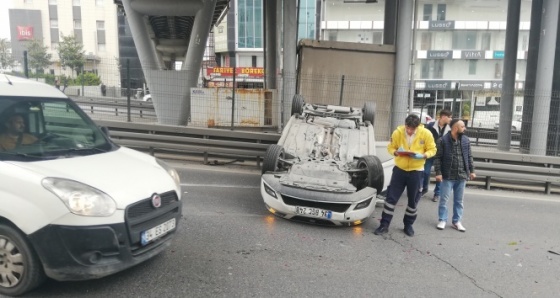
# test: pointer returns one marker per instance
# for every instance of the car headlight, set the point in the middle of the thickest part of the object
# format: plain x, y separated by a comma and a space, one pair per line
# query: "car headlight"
363, 204
269, 190
171, 171
81, 199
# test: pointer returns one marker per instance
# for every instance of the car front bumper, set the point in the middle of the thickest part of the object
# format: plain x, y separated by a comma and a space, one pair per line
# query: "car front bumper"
90, 252
320, 207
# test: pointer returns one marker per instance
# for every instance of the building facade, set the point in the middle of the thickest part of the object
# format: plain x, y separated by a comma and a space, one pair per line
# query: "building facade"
91, 22
458, 46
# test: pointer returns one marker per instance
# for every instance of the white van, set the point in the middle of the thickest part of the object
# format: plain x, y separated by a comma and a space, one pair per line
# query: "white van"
73, 204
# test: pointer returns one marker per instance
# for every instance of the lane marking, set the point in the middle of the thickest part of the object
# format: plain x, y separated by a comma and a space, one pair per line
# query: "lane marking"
220, 186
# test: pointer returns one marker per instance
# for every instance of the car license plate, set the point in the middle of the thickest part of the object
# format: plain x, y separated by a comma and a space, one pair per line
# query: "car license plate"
149, 235
314, 212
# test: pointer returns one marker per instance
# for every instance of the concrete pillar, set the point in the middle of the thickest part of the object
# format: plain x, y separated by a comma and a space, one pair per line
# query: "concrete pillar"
144, 45
195, 53
270, 45
390, 22
545, 71
508, 80
531, 74
402, 67
289, 54
279, 65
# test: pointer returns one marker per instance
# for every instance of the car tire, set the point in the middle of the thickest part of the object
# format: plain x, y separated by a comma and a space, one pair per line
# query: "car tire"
271, 162
297, 104
368, 112
19, 262
375, 177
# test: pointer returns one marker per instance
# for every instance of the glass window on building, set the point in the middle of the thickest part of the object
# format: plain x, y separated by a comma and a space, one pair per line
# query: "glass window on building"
438, 69
75, 2
77, 24
249, 24
485, 41
306, 23
425, 73
333, 35
100, 25
54, 23
377, 38
426, 41
472, 67
427, 12
441, 10
464, 40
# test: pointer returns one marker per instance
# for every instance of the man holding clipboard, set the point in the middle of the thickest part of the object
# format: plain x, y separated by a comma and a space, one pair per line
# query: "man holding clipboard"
411, 144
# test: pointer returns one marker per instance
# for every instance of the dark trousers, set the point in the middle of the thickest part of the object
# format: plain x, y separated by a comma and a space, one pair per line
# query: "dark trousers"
400, 180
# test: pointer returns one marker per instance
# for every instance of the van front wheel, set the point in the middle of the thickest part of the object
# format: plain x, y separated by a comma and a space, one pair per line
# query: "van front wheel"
20, 268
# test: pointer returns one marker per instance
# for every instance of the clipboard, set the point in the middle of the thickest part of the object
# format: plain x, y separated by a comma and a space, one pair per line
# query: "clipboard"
405, 153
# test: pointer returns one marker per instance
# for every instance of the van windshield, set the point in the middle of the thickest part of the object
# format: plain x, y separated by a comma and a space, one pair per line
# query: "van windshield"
47, 128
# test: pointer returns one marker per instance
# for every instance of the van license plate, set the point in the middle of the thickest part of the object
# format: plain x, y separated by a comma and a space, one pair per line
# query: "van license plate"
157, 231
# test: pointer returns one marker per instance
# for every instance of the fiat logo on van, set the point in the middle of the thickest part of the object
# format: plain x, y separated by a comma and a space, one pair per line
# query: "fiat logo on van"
156, 201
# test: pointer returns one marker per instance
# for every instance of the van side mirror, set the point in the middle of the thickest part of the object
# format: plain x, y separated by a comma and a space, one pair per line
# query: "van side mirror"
105, 130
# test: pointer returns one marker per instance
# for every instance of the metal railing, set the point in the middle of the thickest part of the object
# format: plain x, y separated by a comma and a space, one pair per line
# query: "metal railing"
503, 169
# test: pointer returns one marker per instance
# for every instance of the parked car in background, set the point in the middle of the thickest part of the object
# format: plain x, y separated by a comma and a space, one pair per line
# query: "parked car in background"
73, 204
424, 117
515, 123
325, 168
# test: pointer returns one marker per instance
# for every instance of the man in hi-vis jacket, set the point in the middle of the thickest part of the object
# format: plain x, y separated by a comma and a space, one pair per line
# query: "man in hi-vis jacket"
411, 144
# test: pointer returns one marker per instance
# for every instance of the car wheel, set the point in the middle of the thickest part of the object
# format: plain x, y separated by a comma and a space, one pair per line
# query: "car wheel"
297, 104
272, 159
20, 268
375, 177
368, 112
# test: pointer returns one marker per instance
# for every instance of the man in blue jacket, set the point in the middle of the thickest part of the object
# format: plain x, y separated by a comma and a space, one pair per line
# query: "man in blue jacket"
453, 166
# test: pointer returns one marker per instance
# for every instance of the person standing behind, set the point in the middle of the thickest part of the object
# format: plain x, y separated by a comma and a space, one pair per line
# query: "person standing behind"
408, 171
453, 166
438, 128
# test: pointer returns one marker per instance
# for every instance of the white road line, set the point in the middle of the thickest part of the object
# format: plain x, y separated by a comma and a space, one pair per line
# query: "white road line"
220, 185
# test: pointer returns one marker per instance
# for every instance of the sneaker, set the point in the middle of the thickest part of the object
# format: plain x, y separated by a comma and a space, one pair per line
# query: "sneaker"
435, 199
381, 230
441, 225
459, 227
408, 230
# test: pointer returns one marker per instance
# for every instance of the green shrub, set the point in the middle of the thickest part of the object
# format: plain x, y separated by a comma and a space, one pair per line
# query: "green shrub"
89, 79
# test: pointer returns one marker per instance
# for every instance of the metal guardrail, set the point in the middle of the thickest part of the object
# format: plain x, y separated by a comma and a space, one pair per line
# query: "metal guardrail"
491, 166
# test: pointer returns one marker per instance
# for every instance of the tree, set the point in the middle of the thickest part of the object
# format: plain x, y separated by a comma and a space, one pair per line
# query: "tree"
37, 55
71, 53
6, 59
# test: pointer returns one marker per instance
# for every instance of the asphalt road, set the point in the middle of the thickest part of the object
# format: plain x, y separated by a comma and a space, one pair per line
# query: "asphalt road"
228, 245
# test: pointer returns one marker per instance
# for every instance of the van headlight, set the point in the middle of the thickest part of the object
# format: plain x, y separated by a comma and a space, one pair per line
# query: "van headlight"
81, 199
171, 171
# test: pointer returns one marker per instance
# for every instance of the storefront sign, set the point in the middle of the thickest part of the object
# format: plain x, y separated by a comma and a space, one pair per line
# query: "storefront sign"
25, 32
499, 54
438, 85
472, 54
442, 25
471, 85
440, 55
247, 72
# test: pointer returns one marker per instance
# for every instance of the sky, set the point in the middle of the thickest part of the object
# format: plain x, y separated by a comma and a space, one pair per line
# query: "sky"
5, 5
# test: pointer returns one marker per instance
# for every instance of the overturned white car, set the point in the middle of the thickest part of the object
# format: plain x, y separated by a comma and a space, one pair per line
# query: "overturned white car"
325, 169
